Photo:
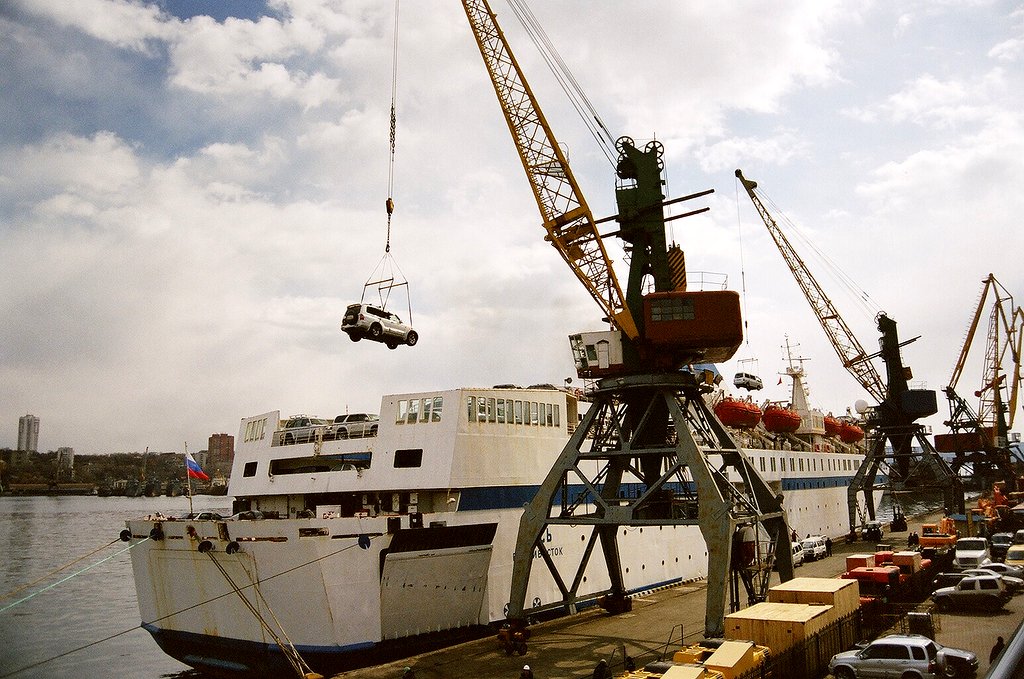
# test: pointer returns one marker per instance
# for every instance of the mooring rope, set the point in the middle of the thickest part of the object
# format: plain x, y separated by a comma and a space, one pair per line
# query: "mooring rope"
75, 574
173, 613
49, 575
287, 648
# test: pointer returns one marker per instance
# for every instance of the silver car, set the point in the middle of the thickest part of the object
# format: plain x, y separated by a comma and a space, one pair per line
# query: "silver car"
901, 656
374, 323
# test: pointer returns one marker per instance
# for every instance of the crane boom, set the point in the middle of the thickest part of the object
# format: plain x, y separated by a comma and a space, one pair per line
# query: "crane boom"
850, 351
567, 219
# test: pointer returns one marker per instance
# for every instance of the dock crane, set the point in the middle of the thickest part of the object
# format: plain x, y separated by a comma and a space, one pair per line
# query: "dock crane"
980, 437
648, 427
892, 424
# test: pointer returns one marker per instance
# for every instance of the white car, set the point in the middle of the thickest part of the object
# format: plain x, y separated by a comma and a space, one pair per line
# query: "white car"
364, 320
747, 381
814, 547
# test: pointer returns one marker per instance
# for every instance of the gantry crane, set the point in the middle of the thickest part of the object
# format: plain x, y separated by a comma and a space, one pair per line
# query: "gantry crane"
648, 429
980, 437
892, 424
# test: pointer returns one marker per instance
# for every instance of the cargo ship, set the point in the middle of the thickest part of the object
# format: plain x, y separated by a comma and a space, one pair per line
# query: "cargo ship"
343, 551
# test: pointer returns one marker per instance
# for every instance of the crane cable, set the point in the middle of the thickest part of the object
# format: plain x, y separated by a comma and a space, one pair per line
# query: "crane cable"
391, 161
566, 80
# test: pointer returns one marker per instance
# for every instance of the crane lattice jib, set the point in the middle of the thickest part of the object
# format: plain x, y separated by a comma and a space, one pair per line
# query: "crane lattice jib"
851, 353
567, 218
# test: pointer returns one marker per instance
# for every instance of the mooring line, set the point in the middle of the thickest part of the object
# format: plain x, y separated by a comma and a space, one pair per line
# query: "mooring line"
172, 614
65, 579
14, 591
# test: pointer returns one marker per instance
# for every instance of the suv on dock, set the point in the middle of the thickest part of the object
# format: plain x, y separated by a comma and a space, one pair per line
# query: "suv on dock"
903, 655
975, 591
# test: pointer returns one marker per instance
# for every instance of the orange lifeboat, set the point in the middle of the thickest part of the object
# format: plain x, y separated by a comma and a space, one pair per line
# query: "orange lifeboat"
736, 413
850, 432
778, 419
832, 426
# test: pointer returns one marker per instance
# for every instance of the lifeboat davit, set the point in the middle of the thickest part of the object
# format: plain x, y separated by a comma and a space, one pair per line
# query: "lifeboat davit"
832, 426
850, 432
780, 420
736, 413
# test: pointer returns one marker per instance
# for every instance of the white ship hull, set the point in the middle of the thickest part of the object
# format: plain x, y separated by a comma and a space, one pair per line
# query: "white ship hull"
397, 553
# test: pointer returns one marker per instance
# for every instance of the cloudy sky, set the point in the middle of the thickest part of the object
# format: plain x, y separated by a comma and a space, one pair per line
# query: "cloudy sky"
191, 192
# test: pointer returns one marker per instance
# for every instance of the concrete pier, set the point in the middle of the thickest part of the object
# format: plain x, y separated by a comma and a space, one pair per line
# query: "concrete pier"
660, 623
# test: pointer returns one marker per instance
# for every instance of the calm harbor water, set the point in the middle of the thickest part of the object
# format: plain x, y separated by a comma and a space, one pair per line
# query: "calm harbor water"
96, 609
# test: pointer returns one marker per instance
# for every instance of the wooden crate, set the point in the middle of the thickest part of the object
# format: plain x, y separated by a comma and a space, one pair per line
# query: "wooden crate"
842, 595
777, 626
860, 561
912, 560
735, 658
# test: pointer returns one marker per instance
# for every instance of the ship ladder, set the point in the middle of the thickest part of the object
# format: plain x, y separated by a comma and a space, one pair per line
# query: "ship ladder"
302, 670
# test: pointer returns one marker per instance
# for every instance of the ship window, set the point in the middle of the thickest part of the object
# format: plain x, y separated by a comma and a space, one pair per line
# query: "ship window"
409, 457
470, 407
519, 412
490, 410
435, 415
792, 464
425, 406
533, 414
773, 463
402, 409
414, 411
762, 464
261, 429
501, 411
549, 417
801, 464
249, 469
248, 431
481, 409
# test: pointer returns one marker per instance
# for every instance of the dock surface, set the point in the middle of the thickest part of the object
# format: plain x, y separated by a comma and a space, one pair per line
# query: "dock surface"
661, 622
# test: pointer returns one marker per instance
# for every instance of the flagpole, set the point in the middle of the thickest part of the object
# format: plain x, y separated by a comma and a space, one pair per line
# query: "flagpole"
188, 480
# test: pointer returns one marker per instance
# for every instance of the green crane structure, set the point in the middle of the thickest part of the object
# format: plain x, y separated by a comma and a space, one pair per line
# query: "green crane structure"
649, 452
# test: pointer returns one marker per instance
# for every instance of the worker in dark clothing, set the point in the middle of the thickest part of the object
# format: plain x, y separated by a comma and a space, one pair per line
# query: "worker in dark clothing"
601, 671
526, 673
828, 546
996, 650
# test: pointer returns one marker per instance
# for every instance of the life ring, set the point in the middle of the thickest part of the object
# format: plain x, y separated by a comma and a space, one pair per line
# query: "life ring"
126, 535
157, 533
232, 547
205, 546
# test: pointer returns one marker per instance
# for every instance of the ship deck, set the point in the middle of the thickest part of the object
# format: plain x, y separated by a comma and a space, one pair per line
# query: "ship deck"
572, 646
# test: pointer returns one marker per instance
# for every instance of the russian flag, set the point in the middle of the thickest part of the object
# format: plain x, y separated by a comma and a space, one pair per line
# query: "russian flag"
194, 470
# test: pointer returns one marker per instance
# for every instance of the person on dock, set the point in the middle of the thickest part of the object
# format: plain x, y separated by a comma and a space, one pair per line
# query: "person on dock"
602, 671
828, 546
996, 650
526, 673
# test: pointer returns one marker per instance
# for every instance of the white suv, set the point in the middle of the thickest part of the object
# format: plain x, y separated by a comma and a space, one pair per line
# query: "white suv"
363, 320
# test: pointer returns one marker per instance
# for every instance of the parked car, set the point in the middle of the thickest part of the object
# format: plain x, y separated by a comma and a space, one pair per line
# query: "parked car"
971, 552
872, 531
1004, 569
302, 429
903, 655
999, 543
364, 320
354, 425
947, 580
1012, 584
1015, 556
814, 547
747, 381
1018, 537
798, 554
974, 591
